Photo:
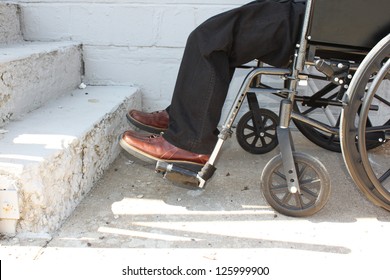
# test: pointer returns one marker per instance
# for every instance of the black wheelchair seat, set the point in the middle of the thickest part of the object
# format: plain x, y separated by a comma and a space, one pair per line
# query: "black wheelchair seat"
356, 24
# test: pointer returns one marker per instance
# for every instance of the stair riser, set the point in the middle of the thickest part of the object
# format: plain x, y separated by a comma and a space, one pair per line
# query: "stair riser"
10, 24
51, 181
60, 183
28, 83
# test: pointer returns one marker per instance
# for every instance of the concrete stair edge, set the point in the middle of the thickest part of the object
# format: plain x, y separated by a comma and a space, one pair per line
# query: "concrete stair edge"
33, 73
64, 159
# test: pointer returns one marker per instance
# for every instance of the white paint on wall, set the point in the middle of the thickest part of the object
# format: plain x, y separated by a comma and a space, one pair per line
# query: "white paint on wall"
124, 42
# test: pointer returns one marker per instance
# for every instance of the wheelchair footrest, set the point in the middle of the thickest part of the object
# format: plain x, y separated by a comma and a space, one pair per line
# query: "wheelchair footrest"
183, 176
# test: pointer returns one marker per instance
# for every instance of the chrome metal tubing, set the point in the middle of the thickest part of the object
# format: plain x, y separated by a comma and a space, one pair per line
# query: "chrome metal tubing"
314, 123
245, 87
226, 127
300, 63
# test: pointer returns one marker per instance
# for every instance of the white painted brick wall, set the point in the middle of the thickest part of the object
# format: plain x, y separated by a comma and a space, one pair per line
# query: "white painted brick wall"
125, 42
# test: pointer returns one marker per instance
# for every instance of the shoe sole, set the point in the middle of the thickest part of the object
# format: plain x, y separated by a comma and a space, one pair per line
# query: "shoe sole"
151, 159
144, 127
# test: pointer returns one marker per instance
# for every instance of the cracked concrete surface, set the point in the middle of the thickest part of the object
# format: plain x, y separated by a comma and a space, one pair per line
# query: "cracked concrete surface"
133, 217
10, 31
43, 71
55, 156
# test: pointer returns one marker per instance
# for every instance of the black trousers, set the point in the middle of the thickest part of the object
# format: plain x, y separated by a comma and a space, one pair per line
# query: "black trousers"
266, 30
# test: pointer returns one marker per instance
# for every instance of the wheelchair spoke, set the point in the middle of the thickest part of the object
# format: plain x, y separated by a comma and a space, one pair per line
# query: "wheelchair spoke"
301, 172
287, 198
262, 139
384, 177
254, 141
309, 182
264, 120
270, 127
298, 200
305, 191
281, 175
272, 136
249, 135
250, 127
382, 100
280, 188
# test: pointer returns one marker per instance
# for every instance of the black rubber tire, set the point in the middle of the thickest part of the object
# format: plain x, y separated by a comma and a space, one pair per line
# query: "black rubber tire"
258, 142
314, 184
359, 98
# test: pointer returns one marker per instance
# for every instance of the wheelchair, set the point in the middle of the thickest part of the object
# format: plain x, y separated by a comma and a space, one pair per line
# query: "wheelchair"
352, 62
368, 102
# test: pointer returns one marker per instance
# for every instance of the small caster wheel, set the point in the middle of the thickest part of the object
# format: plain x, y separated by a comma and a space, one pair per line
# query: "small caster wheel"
256, 134
314, 184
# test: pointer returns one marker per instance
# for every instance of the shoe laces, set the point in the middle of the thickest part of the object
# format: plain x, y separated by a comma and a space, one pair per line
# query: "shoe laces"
153, 136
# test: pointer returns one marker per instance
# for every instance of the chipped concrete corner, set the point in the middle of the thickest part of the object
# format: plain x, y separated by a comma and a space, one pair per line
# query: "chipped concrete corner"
50, 191
41, 76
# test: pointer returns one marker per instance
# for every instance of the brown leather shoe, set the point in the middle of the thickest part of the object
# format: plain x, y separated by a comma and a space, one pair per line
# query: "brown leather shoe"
155, 147
136, 134
154, 122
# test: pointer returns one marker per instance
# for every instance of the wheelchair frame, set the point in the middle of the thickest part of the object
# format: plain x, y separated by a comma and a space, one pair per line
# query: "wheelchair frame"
288, 156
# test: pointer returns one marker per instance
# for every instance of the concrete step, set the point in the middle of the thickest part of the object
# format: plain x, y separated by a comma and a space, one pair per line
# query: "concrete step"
10, 31
53, 157
31, 73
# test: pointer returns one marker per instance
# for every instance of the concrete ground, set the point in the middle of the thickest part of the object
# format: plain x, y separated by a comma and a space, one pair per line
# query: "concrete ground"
134, 218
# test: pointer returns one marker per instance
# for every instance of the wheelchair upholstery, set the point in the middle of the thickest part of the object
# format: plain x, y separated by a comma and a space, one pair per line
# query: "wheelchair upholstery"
349, 23
346, 29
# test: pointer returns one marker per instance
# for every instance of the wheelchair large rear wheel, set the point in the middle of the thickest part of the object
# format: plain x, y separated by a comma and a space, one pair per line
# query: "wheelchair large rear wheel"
314, 185
369, 96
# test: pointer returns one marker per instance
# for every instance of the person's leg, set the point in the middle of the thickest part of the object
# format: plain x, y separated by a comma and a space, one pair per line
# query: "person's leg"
266, 30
